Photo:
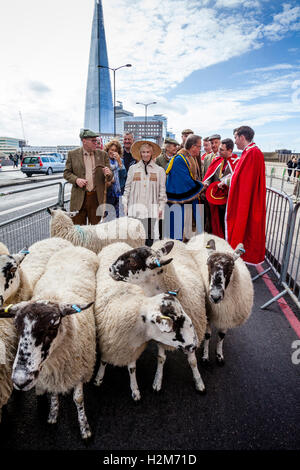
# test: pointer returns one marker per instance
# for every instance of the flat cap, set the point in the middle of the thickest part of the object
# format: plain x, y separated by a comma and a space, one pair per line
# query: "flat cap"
215, 136
187, 131
86, 133
168, 140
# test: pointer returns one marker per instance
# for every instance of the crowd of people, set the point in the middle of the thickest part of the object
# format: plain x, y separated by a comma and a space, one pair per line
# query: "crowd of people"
176, 191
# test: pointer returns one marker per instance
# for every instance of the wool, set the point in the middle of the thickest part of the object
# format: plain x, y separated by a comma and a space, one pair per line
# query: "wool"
8, 339
95, 237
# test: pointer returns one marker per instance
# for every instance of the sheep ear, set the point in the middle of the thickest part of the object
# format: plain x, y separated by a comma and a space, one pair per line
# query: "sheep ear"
239, 251
211, 246
157, 263
50, 211
7, 312
167, 261
18, 257
68, 309
165, 250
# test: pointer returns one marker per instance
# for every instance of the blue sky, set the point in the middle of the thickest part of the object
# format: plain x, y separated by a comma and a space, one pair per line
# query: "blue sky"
210, 64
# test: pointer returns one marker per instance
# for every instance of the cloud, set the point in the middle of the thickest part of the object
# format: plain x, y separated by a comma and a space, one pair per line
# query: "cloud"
287, 20
38, 87
270, 68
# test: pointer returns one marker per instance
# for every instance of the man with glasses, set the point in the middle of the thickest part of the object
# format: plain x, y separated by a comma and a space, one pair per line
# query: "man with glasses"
88, 170
183, 189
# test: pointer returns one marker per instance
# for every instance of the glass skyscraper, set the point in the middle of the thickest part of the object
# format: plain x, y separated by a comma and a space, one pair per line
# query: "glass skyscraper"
99, 114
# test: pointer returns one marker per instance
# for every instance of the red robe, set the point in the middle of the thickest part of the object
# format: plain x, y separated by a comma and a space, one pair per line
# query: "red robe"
245, 217
203, 156
216, 226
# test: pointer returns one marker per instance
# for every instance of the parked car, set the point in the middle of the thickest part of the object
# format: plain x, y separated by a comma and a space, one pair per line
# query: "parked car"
42, 164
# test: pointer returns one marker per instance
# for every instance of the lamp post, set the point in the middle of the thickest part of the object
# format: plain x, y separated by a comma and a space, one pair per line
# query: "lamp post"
146, 107
114, 71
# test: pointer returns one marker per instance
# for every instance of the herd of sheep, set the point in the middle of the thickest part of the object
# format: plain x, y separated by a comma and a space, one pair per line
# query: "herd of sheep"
90, 288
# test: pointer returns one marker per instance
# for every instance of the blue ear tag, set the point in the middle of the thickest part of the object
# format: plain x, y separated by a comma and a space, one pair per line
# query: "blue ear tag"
75, 307
158, 263
172, 293
242, 250
24, 252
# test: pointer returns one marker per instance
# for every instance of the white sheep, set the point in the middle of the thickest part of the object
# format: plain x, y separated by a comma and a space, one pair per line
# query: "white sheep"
57, 345
18, 277
95, 237
147, 268
228, 286
126, 320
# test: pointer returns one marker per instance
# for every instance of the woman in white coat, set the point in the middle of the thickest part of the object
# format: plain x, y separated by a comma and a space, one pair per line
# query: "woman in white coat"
145, 189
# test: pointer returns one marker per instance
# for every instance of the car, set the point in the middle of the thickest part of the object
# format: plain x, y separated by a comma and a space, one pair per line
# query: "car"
42, 164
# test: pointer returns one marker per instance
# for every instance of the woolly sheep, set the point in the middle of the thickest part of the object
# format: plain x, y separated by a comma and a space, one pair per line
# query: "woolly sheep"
228, 286
57, 345
18, 277
95, 237
126, 320
147, 268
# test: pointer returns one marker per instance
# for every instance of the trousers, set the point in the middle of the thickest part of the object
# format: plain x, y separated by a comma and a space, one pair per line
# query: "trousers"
87, 213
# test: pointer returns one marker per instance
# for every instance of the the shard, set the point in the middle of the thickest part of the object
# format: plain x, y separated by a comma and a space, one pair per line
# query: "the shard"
99, 115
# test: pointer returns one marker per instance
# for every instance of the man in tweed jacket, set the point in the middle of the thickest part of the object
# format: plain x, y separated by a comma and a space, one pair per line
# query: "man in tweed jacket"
88, 170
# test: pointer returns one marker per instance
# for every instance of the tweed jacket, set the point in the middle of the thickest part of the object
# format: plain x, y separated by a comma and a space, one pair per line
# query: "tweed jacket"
75, 168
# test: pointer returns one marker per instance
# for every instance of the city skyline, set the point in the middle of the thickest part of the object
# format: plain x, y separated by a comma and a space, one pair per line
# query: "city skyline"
211, 65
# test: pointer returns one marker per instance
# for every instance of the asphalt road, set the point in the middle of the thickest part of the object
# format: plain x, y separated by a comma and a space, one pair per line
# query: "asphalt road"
252, 402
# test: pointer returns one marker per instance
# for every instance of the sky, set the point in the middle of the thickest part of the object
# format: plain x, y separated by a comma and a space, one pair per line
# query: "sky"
211, 65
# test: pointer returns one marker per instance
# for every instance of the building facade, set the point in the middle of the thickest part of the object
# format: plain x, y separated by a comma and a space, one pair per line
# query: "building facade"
154, 129
99, 113
10, 145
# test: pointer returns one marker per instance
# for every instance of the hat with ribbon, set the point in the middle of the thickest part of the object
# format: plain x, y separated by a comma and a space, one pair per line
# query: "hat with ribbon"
135, 149
216, 195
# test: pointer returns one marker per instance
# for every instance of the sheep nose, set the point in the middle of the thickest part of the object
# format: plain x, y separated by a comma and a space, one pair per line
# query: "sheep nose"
21, 379
190, 348
22, 385
216, 298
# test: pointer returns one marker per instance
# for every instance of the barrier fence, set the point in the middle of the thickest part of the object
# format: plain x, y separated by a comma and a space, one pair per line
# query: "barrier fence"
282, 235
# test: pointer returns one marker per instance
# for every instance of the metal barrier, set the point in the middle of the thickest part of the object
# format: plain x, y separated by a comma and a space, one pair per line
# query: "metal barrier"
31, 227
290, 273
278, 178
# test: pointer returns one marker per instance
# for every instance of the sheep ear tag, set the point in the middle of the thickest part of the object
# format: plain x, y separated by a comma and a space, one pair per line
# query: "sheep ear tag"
4, 312
165, 324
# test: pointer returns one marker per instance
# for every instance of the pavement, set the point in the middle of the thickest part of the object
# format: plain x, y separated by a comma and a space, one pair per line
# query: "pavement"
252, 402
7, 177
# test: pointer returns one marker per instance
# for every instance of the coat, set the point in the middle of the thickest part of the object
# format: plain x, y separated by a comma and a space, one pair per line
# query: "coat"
75, 168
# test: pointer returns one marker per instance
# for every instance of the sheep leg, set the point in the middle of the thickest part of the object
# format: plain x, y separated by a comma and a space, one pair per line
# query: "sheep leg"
161, 359
205, 356
82, 419
135, 393
100, 374
54, 407
200, 387
219, 351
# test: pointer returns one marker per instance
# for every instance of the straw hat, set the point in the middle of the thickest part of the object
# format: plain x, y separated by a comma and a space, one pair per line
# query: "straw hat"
135, 149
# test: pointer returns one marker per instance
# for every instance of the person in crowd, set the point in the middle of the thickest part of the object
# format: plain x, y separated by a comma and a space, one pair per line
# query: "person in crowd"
246, 204
99, 145
170, 150
88, 170
215, 141
296, 192
291, 164
207, 147
145, 189
114, 191
16, 160
183, 190
184, 135
128, 140
216, 182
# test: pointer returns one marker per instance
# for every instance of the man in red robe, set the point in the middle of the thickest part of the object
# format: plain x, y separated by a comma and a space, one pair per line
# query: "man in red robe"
246, 204
220, 170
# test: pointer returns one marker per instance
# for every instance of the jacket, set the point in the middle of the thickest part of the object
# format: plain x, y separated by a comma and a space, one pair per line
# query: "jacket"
75, 168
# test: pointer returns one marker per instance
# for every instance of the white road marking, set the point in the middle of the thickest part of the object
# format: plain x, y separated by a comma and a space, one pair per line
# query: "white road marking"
30, 205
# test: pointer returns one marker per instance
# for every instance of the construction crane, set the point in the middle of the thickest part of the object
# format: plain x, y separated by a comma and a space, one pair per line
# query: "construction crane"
21, 119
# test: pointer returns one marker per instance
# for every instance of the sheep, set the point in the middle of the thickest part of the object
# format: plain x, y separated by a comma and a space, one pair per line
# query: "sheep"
228, 286
146, 268
18, 276
95, 237
57, 345
126, 320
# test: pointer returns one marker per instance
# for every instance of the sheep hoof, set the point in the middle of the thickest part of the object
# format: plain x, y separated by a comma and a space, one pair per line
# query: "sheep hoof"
201, 392
136, 395
97, 383
156, 387
86, 433
52, 420
220, 360
205, 361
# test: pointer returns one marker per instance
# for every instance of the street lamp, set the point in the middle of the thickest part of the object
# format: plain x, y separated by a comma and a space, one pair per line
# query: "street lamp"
114, 70
146, 107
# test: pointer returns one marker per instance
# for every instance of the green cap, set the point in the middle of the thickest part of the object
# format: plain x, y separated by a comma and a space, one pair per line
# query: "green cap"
187, 131
168, 140
86, 134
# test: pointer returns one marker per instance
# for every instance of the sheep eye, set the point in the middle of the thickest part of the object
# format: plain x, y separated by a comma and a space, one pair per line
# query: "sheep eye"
13, 269
132, 263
